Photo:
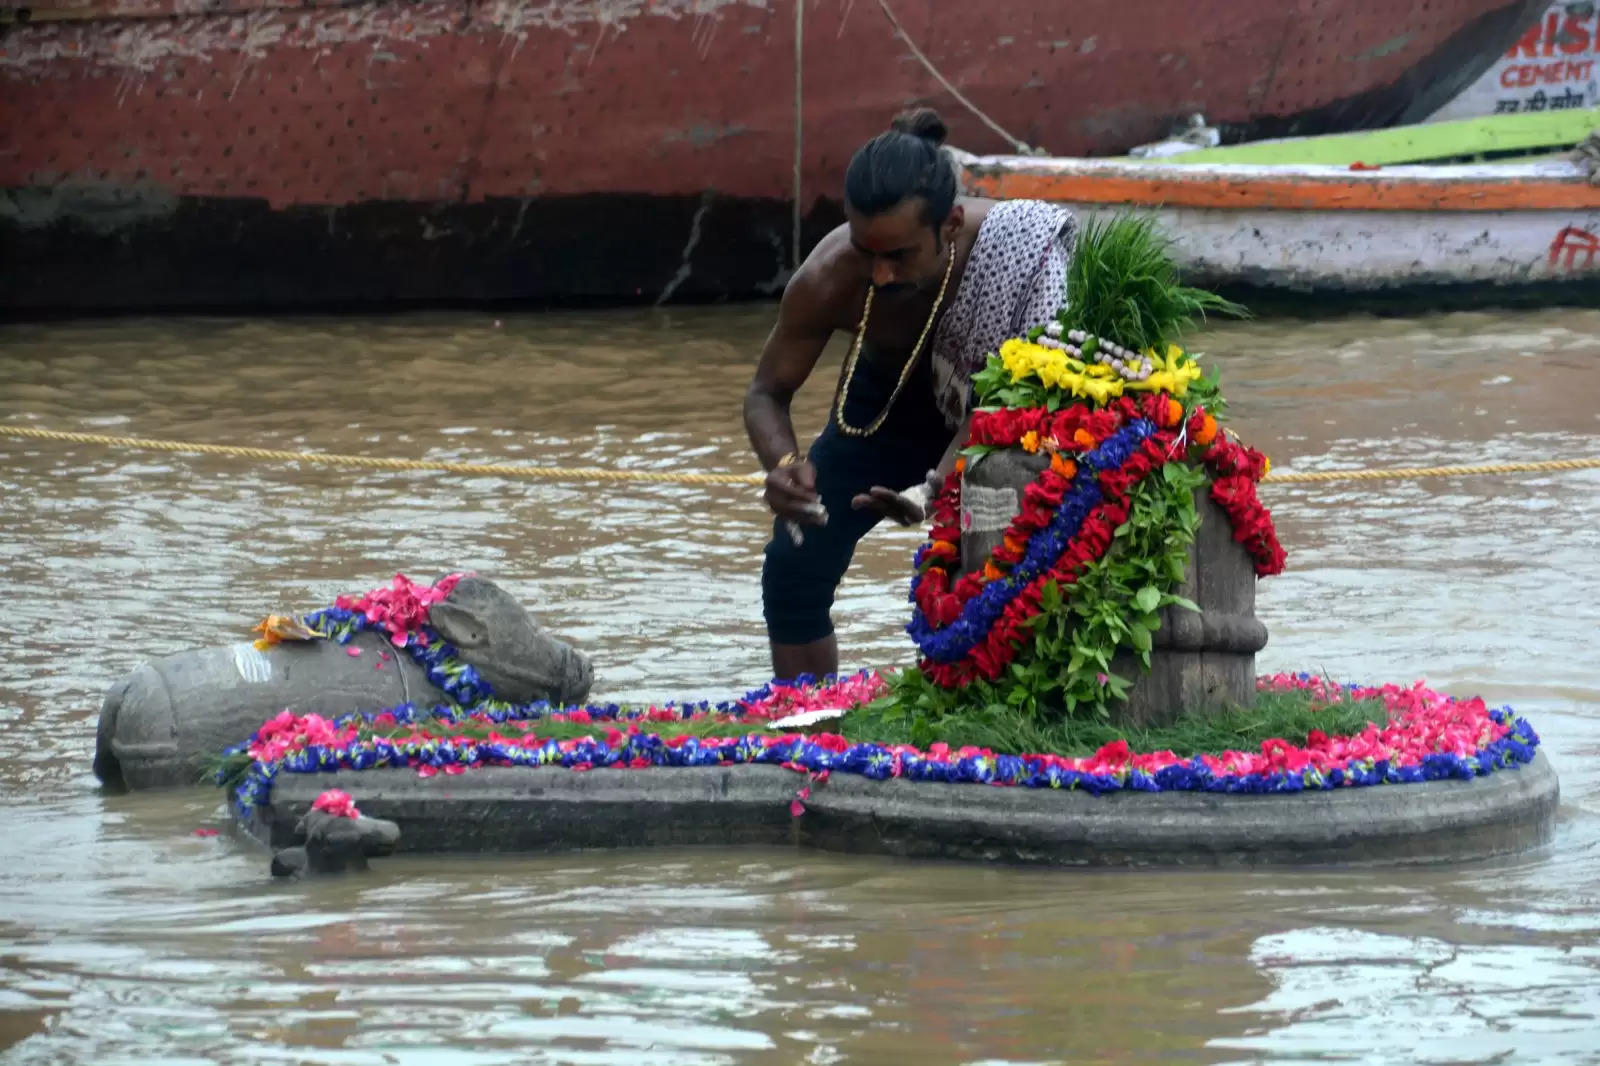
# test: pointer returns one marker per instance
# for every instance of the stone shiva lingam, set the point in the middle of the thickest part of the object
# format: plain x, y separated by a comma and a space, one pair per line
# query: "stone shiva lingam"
1199, 658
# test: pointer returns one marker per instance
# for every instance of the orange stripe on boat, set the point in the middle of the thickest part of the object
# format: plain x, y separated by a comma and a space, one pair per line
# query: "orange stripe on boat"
1282, 193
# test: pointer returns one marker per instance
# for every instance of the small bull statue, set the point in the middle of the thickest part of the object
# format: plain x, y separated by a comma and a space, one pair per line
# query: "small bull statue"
161, 723
336, 840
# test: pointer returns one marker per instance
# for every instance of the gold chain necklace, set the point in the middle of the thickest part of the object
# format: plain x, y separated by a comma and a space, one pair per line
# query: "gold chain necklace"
905, 372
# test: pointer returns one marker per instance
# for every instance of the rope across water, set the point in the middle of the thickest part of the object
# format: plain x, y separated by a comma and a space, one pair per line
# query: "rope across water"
369, 462
659, 477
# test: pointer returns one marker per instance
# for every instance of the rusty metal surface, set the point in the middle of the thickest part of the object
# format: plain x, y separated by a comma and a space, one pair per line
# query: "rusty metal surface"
436, 116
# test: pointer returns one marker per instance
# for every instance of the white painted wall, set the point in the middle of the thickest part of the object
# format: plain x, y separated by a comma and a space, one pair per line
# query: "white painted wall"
1354, 250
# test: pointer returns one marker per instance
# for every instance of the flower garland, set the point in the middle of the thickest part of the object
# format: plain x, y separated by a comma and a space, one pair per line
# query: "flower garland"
288, 732
1429, 737
1108, 422
402, 609
336, 803
400, 612
952, 623
1235, 471
1057, 365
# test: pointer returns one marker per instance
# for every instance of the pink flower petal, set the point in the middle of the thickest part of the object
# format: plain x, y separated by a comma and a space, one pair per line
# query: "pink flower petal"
332, 801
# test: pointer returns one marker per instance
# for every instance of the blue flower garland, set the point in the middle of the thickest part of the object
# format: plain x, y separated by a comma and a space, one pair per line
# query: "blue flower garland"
438, 658
874, 761
500, 712
471, 694
1045, 547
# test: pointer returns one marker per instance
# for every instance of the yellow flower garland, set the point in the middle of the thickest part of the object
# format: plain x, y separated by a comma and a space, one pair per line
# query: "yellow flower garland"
1096, 382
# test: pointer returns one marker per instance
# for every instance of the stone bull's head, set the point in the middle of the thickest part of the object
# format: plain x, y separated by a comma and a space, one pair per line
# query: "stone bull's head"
512, 652
161, 723
334, 844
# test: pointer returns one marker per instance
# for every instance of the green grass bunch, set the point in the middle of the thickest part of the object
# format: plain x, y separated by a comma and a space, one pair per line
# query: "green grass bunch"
1123, 286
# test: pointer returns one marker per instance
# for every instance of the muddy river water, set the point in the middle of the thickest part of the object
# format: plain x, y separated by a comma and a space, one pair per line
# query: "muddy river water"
125, 937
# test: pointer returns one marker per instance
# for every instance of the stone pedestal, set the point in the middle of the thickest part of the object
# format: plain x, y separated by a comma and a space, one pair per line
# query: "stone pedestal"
1199, 661
522, 809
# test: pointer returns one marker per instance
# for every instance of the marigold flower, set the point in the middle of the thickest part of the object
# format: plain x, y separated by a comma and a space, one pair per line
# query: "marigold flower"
1207, 431
992, 572
1063, 466
276, 628
1173, 414
1030, 441
1083, 439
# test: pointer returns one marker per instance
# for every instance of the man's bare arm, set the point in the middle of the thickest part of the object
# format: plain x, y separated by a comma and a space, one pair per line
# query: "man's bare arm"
787, 359
790, 354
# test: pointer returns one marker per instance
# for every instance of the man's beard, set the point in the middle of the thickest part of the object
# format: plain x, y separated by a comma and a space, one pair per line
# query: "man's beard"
901, 290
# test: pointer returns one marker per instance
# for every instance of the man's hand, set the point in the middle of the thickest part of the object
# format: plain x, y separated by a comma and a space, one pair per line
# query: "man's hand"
901, 507
791, 492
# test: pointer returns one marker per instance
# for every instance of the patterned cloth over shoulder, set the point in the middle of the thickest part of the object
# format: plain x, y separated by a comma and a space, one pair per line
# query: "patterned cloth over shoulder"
1016, 278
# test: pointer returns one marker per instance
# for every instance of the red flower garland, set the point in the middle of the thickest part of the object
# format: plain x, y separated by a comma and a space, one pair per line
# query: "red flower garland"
1005, 637
1075, 429
1235, 469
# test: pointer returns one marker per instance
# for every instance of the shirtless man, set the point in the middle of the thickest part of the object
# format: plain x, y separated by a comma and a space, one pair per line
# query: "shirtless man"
927, 283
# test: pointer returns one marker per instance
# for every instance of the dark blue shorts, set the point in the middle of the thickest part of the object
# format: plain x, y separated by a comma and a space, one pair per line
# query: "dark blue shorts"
798, 583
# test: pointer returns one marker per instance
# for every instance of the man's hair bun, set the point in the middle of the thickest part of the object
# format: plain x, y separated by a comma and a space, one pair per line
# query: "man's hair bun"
923, 122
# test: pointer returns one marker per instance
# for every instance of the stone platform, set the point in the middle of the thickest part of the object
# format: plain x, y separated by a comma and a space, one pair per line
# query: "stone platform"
550, 809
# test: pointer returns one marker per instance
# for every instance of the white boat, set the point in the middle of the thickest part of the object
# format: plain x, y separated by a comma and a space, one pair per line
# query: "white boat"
1313, 215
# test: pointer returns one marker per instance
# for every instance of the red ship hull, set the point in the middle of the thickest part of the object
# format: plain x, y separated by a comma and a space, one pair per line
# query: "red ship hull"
197, 153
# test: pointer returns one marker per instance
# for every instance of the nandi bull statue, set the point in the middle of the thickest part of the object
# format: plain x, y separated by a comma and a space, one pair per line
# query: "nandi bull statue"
336, 837
459, 640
